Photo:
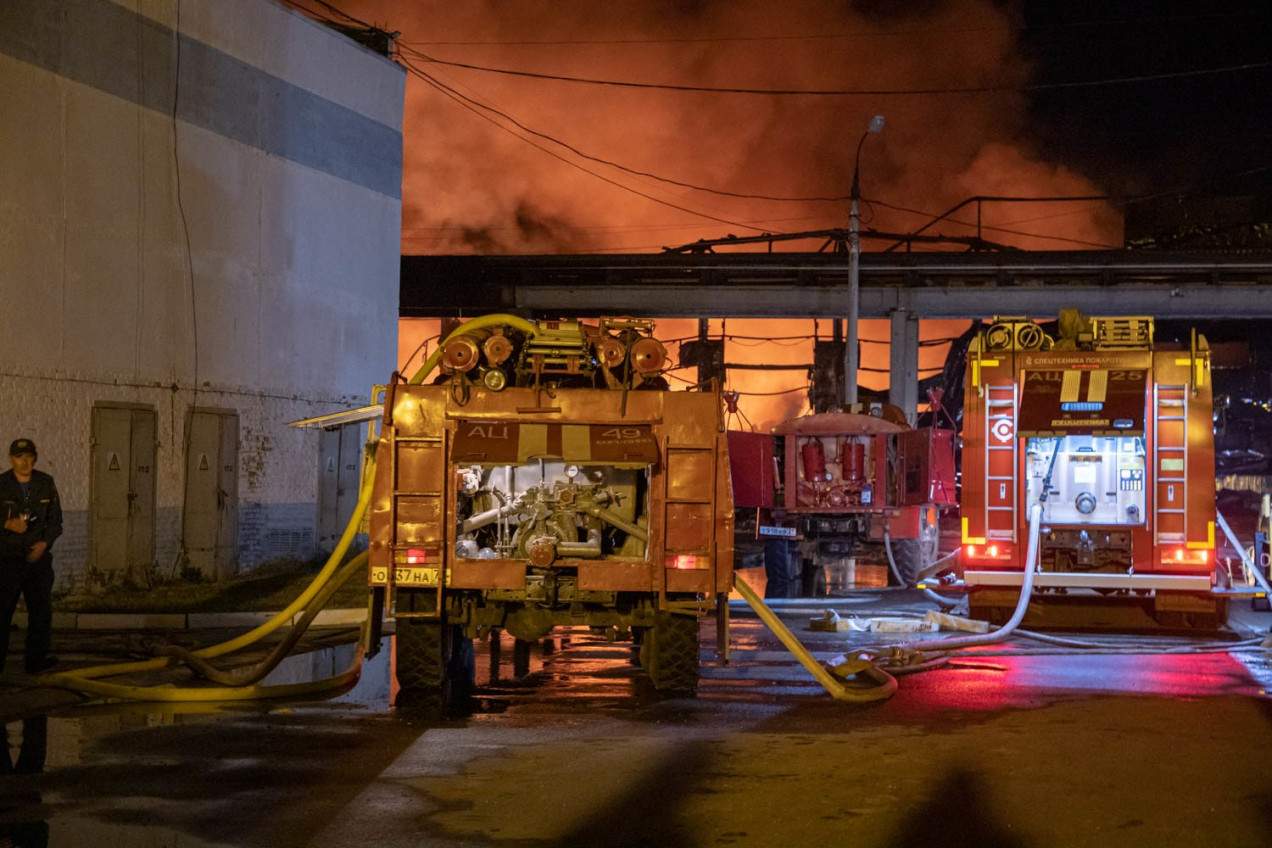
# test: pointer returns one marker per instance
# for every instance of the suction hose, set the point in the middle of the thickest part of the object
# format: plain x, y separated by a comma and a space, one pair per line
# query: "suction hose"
255, 673
911, 650
311, 600
496, 320
886, 684
86, 680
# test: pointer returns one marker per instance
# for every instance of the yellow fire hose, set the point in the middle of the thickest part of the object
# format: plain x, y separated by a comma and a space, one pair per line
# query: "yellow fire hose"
497, 320
885, 684
86, 679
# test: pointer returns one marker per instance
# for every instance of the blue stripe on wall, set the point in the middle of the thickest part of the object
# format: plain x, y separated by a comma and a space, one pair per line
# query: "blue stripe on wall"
107, 47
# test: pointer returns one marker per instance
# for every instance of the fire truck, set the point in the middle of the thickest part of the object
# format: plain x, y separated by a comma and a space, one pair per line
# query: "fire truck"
548, 478
1115, 430
837, 482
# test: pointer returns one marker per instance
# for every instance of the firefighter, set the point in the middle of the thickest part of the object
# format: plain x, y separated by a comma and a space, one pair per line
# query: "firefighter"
32, 522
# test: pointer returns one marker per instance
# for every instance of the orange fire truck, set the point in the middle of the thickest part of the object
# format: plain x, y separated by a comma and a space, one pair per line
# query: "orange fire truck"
1116, 430
549, 478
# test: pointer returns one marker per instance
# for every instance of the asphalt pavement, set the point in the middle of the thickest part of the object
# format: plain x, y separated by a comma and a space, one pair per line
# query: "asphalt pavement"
1013, 746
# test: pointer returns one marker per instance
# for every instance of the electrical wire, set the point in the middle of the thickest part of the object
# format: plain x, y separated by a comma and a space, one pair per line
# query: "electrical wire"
824, 36
850, 92
898, 208
600, 160
461, 99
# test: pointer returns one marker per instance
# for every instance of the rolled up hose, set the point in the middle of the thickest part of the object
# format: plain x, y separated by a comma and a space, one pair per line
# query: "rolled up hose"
86, 679
905, 653
247, 675
496, 320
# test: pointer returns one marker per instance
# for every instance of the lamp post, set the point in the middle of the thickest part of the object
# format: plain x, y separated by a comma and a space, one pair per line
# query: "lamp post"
854, 268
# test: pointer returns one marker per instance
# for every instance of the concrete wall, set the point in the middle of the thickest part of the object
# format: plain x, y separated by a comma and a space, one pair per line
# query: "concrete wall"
199, 205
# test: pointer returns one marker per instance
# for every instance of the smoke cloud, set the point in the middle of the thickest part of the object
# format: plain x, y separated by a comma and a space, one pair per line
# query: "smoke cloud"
470, 187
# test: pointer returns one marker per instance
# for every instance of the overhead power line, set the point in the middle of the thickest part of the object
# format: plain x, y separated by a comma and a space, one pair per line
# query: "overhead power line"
847, 92
465, 101
480, 109
600, 160
832, 36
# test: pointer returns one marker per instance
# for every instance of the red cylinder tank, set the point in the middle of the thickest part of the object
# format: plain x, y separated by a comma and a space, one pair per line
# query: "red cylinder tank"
852, 462
813, 457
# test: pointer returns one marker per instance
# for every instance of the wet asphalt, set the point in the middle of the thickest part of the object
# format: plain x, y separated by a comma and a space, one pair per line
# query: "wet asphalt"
1015, 746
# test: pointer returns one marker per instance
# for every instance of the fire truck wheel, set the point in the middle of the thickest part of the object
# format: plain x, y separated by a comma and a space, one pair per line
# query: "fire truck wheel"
908, 555
669, 654
433, 663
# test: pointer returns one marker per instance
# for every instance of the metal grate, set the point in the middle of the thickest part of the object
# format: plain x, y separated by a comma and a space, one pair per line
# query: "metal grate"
1124, 332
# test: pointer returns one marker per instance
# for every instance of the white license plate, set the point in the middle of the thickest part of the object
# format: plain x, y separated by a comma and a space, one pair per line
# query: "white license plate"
780, 532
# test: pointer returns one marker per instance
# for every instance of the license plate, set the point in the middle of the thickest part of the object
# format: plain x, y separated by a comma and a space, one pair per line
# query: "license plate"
415, 576
779, 532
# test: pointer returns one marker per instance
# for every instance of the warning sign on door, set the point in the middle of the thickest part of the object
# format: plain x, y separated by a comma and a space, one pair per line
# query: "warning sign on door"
112, 464
203, 462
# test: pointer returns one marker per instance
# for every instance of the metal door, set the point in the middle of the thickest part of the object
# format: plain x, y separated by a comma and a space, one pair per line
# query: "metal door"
328, 487
122, 499
351, 437
210, 518
339, 475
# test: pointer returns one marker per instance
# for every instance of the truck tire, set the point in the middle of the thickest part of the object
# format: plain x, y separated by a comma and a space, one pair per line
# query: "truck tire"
908, 555
433, 662
669, 654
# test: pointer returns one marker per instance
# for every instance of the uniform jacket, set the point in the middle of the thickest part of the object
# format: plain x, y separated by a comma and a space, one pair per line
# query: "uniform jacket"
41, 506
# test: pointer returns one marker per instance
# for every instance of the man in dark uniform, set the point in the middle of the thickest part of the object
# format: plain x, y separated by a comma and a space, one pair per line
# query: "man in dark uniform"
32, 522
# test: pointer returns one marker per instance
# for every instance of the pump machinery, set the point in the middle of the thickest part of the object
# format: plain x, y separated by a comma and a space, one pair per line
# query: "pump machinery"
1111, 431
837, 483
549, 477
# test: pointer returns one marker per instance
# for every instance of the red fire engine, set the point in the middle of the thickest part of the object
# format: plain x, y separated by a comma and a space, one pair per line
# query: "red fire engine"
1116, 431
837, 482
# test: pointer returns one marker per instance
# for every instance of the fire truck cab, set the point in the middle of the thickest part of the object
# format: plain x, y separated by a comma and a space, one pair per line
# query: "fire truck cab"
1116, 430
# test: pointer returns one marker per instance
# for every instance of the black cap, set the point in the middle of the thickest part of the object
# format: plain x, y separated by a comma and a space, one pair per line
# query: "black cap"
20, 446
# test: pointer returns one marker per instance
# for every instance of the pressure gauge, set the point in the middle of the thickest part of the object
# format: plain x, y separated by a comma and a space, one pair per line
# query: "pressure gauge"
571, 471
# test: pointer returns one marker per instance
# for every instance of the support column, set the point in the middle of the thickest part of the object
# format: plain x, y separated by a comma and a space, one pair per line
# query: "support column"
903, 385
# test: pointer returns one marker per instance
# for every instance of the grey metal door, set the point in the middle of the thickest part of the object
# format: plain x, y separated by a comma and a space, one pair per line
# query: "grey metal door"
210, 518
339, 473
328, 487
122, 499
351, 436
141, 500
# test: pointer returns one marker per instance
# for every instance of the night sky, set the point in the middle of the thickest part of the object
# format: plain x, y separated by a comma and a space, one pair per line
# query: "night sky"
1153, 136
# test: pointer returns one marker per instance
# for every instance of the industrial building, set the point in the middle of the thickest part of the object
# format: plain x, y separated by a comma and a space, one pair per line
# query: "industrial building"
199, 226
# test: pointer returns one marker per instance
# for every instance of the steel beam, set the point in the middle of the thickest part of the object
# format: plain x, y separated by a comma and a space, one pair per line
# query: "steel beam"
931, 285
903, 363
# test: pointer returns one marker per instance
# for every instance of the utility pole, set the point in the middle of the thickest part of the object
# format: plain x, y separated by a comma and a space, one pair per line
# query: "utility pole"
851, 353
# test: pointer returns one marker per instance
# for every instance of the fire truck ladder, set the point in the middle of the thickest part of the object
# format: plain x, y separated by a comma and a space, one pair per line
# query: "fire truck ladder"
1170, 446
1000, 406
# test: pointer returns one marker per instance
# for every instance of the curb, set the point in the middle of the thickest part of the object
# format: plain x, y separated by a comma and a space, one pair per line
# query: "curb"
186, 621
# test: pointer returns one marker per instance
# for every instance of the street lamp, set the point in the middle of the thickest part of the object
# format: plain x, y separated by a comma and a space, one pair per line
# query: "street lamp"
854, 268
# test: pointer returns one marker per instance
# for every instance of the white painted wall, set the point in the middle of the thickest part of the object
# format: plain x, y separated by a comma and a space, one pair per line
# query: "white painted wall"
292, 307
